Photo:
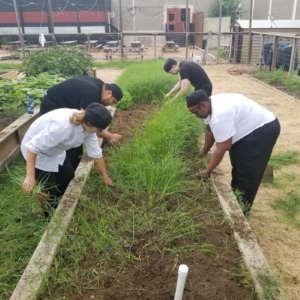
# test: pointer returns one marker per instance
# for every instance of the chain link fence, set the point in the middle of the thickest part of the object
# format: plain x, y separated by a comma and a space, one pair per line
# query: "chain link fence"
269, 51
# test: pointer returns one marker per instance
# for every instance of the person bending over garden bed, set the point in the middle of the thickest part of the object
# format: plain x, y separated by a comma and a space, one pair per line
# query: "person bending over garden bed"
47, 139
78, 92
244, 128
189, 72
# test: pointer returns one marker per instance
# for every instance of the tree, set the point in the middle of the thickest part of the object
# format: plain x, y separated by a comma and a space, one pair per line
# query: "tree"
230, 8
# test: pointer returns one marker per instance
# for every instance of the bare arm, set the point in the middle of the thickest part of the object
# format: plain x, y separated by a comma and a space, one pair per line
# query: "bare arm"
102, 168
184, 85
29, 181
217, 156
110, 137
174, 89
209, 140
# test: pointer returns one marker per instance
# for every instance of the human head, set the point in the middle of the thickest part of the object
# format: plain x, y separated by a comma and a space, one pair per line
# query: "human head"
98, 116
170, 66
110, 94
198, 103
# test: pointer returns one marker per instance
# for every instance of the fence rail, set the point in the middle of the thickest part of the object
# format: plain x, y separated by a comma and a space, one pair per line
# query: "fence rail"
271, 50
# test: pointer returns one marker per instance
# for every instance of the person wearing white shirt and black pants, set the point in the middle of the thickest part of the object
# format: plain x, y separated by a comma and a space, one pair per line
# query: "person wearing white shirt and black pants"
244, 128
47, 139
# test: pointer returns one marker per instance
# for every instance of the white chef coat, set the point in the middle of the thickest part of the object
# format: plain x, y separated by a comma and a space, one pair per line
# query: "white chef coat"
52, 134
235, 116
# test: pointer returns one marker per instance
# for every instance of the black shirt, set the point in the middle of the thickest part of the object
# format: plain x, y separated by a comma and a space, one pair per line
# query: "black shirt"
195, 74
77, 92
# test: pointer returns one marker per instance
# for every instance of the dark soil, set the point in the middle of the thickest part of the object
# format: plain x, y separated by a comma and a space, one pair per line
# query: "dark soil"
6, 118
214, 274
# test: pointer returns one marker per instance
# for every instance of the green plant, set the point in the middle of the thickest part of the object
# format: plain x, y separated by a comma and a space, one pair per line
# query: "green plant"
281, 79
142, 81
13, 93
289, 204
65, 61
284, 159
125, 102
21, 227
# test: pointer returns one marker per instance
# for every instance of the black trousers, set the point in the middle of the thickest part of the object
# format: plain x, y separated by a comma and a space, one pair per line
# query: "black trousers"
74, 154
249, 158
56, 183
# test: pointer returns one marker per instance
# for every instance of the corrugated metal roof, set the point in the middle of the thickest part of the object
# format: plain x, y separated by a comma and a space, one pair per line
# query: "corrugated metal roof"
256, 24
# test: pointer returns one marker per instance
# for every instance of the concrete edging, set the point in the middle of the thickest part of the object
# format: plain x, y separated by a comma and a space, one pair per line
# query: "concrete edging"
253, 256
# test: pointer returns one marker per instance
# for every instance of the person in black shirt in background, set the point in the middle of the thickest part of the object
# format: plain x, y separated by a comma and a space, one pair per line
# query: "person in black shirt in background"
78, 93
189, 72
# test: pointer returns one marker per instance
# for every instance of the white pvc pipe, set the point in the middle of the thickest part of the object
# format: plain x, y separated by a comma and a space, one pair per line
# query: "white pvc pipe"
182, 273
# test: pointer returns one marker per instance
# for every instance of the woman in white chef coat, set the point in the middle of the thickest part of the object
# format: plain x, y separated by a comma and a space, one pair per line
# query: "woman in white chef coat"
47, 139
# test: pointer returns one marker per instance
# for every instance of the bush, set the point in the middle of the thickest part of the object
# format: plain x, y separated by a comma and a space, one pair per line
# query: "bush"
64, 61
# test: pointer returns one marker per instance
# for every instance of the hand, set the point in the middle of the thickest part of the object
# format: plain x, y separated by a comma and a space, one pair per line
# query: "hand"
115, 138
204, 174
28, 184
108, 181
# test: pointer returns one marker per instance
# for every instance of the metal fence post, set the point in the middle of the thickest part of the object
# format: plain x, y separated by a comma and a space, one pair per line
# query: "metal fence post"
274, 56
293, 57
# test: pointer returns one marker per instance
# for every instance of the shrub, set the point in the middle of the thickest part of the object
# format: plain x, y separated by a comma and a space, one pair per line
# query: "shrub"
60, 60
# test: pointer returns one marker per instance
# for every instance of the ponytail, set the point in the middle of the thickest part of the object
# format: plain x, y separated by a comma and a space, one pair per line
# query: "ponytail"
78, 118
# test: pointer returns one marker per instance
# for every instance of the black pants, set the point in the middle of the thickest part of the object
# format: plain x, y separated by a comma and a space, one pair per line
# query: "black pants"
74, 154
249, 158
56, 183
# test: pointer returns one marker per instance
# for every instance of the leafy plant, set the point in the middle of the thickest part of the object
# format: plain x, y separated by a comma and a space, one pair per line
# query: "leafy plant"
13, 93
126, 101
65, 61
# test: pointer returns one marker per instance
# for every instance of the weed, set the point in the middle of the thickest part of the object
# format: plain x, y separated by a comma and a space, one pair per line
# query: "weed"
289, 204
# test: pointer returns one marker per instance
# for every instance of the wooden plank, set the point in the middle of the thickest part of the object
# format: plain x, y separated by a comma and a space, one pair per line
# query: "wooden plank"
11, 137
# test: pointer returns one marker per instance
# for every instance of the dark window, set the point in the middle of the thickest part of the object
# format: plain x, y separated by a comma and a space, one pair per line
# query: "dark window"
171, 27
182, 15
171, 17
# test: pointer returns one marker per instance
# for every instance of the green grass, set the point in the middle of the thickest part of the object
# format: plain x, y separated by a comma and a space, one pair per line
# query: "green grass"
284, 159
288, 198
10, 66
280, 78
289, 204
146, 81
146, 211
21, 227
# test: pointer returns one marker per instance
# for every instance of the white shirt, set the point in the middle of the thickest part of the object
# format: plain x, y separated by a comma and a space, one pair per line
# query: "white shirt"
235, 116
52, 134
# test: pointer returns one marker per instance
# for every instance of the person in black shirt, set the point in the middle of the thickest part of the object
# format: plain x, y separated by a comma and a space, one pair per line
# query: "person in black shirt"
189, 72
78, 92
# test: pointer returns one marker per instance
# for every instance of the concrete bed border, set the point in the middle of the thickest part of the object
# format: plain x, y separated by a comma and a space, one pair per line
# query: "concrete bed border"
38, 267
252, 254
